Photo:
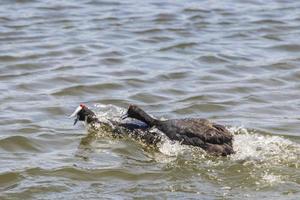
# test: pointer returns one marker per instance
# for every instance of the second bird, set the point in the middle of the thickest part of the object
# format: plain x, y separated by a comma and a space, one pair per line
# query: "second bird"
214, 138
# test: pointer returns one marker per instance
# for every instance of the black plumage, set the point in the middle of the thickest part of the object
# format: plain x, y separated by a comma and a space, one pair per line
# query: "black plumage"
214, 138
138, 131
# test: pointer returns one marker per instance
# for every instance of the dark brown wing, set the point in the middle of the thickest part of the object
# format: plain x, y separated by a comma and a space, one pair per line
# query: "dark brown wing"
203, 129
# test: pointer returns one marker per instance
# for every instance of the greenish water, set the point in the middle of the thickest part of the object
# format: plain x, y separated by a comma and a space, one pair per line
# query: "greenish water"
233, 62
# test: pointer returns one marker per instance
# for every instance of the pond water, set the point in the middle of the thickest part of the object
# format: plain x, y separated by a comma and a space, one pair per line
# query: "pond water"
233, 62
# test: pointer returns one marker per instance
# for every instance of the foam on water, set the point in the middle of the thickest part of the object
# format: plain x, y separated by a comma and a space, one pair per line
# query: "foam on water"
270, 179
252, 148
170, 148
109, 112
266, 156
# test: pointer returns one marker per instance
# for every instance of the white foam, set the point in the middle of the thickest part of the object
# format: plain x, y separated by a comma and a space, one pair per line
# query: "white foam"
170, 148
260, 148
270, 178
109, 112
265, 154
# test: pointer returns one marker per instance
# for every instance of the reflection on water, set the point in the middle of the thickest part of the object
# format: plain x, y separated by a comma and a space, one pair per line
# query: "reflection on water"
234, 62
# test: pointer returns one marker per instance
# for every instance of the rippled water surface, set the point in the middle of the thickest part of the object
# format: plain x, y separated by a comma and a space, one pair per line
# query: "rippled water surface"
233, 62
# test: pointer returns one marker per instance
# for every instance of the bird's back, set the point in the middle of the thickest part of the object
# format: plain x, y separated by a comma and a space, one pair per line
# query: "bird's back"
196, 128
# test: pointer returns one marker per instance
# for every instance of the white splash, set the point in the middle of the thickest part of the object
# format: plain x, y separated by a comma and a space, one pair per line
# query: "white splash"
171, 148
270, 178
265, 154
253, 147
109, 112
168, 150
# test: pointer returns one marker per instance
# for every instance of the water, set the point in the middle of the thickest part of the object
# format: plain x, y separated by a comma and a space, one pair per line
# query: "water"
234, 62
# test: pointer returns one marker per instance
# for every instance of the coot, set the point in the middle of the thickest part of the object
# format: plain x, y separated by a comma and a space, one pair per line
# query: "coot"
212, 137
138, 131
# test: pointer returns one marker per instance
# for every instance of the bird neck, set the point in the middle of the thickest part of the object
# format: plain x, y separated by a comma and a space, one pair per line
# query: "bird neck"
144, 117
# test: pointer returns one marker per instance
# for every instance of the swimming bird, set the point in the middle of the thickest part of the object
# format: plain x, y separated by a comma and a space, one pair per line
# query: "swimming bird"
138, 131
83, 113
212, 137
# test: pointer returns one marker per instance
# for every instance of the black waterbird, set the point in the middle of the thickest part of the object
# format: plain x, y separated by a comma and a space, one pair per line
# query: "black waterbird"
139, 131
212, 137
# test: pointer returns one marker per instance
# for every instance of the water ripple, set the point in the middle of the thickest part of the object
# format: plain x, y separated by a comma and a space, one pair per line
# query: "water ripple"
235, 62
19, 143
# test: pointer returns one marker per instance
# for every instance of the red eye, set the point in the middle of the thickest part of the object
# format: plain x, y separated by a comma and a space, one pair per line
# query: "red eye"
82, 105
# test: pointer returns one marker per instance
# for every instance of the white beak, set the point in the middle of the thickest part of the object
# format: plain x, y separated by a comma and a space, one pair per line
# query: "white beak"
78, 109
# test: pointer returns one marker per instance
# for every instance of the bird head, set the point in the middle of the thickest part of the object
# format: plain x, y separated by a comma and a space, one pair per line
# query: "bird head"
83, 113
135, 112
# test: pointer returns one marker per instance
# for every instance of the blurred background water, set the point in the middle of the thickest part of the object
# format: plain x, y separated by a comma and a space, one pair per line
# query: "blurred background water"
234, 62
